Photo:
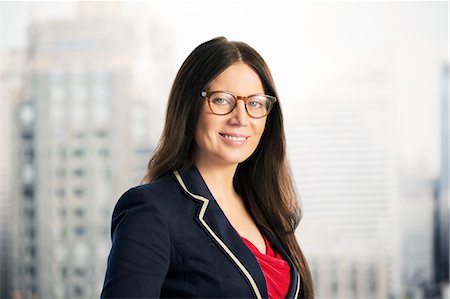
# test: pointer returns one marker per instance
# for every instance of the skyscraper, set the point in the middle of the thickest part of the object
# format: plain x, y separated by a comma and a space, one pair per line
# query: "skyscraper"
78, 150
416, 232
12, 87
441, 209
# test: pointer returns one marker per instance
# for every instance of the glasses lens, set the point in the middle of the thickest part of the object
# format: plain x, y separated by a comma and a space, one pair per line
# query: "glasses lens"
259, 106
221, 103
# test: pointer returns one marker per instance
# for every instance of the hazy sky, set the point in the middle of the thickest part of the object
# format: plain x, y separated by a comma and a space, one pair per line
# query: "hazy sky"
308, 46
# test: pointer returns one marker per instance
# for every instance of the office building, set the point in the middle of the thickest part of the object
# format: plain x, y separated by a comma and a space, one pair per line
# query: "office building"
83, 142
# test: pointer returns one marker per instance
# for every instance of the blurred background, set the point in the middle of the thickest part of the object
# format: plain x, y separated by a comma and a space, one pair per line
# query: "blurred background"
364, 90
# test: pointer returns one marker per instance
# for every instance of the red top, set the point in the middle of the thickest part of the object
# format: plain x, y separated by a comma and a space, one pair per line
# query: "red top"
276, 270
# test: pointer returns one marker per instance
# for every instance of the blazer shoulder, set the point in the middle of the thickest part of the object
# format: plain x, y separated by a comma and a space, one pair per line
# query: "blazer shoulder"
151, 193
152, 197
141, 245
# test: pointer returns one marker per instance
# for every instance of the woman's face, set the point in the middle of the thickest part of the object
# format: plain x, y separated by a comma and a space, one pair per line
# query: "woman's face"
232, 138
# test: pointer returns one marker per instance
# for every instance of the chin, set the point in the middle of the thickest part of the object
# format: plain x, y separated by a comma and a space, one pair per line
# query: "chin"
236, 159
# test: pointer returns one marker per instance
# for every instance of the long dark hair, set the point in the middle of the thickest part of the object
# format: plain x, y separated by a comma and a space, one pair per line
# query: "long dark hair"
264, 180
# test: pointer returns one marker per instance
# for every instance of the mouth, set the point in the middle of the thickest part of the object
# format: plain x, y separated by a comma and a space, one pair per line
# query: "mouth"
234, 137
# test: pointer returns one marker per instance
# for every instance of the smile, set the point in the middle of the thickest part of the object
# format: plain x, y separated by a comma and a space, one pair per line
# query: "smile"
239, 138
235, 139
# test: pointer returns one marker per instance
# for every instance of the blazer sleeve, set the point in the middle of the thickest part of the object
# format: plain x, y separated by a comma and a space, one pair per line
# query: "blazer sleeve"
140, 252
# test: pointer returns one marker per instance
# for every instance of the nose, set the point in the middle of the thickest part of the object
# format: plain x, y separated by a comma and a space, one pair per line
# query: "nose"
239, 114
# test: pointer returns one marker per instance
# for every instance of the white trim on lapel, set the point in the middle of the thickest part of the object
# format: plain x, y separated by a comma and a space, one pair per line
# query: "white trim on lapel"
221, 243
298, 286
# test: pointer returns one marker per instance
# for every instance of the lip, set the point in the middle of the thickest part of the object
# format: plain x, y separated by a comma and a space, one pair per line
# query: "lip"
234, 134
234, 142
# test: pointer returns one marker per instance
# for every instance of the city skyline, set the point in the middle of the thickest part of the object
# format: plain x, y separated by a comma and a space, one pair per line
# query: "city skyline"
362, 121
347, 34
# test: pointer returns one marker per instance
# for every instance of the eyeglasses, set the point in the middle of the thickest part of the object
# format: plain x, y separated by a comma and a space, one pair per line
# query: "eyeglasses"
223, 102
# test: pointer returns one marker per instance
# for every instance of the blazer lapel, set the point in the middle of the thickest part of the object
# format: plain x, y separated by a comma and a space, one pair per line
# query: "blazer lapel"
294, 288
216, 224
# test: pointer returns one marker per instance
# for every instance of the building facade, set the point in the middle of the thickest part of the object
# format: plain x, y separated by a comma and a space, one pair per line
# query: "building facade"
83, 142
12, 88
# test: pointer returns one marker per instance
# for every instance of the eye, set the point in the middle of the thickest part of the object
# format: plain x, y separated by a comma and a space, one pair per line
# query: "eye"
255, 104
220, 101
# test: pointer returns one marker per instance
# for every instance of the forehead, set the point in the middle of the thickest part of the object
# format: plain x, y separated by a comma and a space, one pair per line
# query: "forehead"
240, 79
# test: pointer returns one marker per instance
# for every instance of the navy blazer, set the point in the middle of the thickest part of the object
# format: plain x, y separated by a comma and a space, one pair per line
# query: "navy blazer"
170, 239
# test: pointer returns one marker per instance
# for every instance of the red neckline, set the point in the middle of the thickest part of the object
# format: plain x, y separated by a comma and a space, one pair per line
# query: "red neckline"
266, 243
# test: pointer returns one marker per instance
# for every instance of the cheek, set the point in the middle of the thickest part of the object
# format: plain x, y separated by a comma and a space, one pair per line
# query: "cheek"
199, 131
206, 128
260, 126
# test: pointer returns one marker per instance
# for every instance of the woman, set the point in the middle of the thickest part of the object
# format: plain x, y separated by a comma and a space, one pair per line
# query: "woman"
217, 215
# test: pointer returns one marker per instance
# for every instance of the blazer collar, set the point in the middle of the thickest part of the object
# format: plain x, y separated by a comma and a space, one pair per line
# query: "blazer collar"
216, 224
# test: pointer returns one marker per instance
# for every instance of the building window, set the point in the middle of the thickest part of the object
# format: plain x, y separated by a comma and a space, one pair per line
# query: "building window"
80, 230
334, 279
31, 232
373, 281
79, 172
78, 291
101, 133
28, 174
80, 271
79, 212
28, 152
62, 212
31, 270
32, 251
78, 152
79, 192
79, 135
29, 212
27, 114
354, 281
28, 191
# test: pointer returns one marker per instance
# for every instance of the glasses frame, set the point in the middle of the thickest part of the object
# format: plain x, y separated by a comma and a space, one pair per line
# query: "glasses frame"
206, 95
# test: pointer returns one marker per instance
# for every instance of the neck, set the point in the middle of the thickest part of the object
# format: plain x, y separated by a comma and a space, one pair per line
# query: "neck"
219, 179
